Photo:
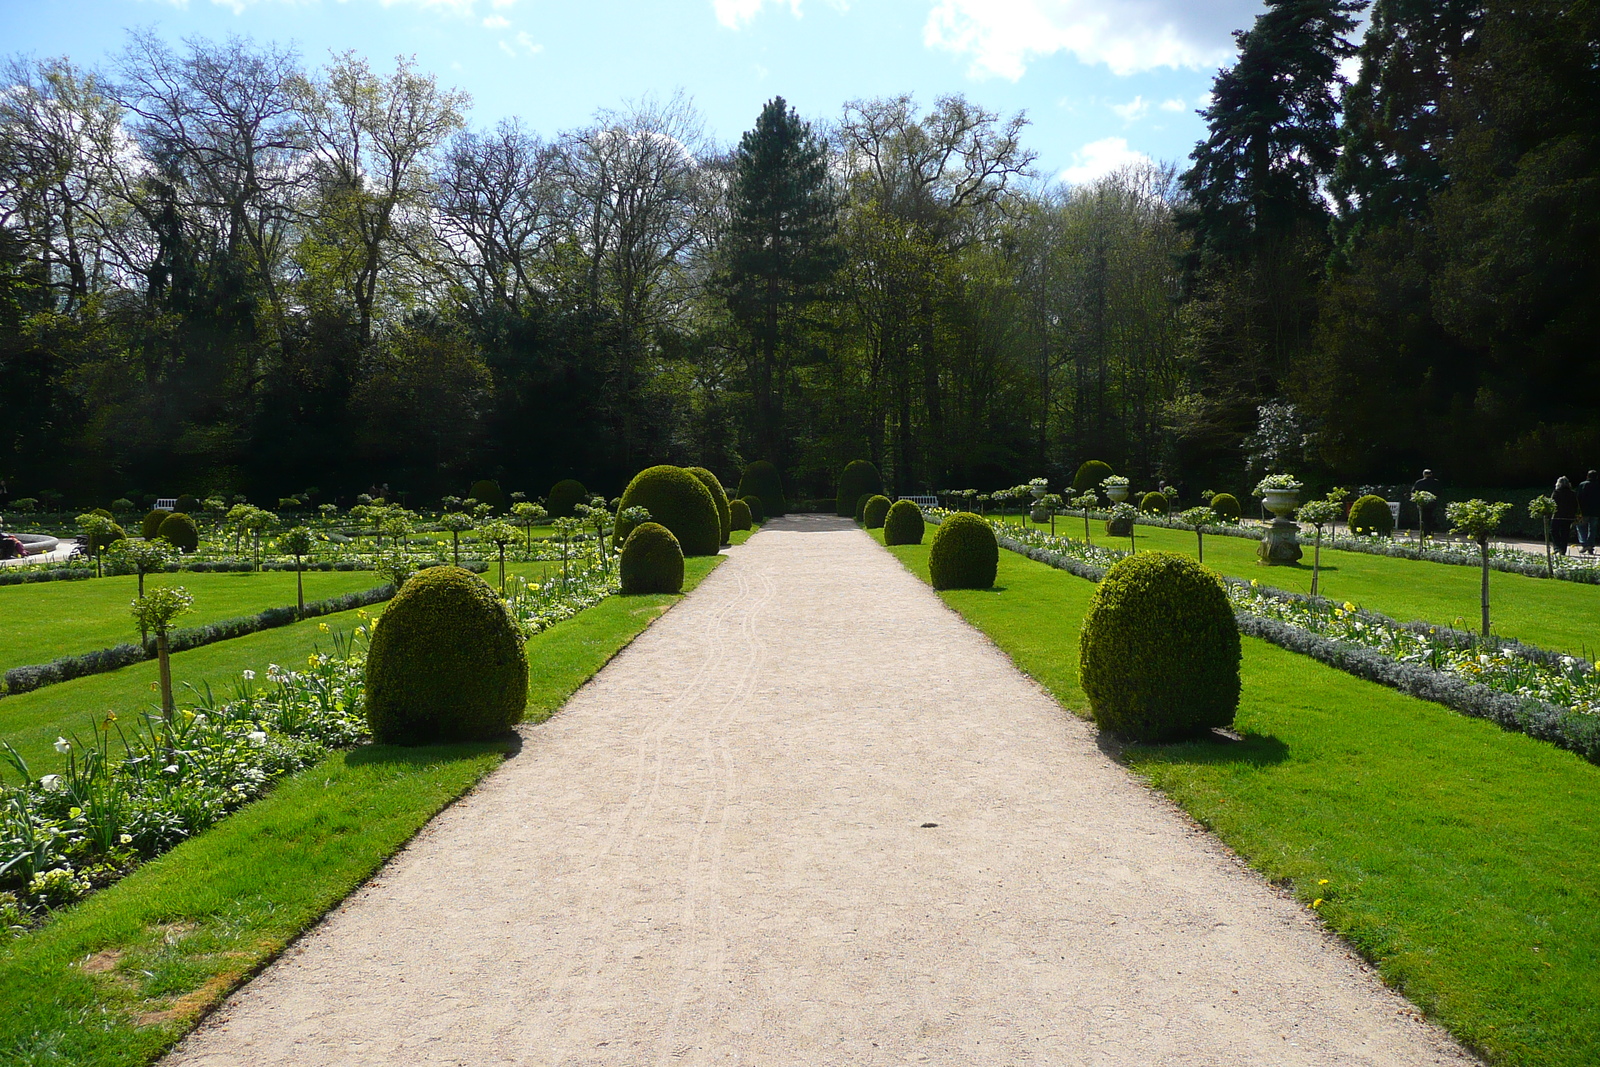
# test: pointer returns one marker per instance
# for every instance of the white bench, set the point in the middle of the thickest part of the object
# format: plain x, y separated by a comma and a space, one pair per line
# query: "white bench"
921, 501
167, 504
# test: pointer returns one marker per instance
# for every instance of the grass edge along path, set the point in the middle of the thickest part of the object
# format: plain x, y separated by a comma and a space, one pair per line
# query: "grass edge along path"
119, 978
1453, 855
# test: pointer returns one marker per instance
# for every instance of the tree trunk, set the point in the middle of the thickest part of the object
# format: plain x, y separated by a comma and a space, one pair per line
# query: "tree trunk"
1483, 546
300, 585
164, 659
1316, 561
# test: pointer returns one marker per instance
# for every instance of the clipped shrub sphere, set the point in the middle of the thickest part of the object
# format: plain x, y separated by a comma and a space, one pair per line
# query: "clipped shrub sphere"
964, 553
678, 501
719, 497
565, 495
1158, 656
858, 479
762, 479
186, 503
487, 491
1154, 503
874, 511
446, 663
739, 515
150, 525
904, 524
179, 530
1371, 515
1226, 507
757, 512
861, 511
1090, 475
652, 560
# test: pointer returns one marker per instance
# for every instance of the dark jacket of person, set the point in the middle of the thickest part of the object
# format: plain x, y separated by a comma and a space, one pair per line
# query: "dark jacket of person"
1589, 499
1426, 485
1566, 499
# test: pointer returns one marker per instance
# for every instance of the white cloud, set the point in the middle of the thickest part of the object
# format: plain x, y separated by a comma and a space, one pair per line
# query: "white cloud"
1133, 110
1001, 37
736, 14
521, 45
1177, 103
1099, 158
496, 22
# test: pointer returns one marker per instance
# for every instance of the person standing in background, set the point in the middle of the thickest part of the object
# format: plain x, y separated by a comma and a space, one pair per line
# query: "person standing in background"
1426, 484
1588, 512
1566, 499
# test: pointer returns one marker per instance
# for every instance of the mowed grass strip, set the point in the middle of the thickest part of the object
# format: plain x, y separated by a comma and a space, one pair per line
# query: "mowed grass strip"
116, 980
1563, 616
1458, 857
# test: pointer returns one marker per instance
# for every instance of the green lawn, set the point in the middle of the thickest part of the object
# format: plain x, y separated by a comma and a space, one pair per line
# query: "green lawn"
47, 620
1457, 856
1552, 614
116, 980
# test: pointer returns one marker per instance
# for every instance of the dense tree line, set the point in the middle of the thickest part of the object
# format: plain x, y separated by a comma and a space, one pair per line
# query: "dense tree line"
224, 270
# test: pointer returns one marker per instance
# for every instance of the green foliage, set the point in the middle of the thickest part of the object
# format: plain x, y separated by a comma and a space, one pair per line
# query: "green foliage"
156, 610
858, 479
1196, 517
680, 502
100, 529
1371, 515
739, 515
719, 496
904, 524
487, 491
1319, 512
761, 479
1226, 506
564, 496
753, 505
964, 553
180, 531
1478, 519
446, 663
1153, 503
1090, 475
1159, 652
151, 523
874, 510
297, 542
861, 510
652, 561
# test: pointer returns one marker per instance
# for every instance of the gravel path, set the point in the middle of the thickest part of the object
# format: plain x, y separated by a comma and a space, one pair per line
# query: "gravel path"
720, 853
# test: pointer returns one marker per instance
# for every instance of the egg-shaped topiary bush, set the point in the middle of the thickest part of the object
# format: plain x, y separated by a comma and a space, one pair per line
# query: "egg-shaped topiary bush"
1371, 515
739, 515
719, 497
446, 662
652, 560
964, 553
861, 511
904, 524
1226, 507
565, 495
763, 480
186, 503
677, 500
150, 525
858, 479
1153, 503
757, 512
874, 511
487, 491
1090, 475
179, 530
1158, 655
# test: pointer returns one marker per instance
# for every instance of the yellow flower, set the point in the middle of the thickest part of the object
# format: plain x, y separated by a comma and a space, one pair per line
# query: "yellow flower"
1322, 881
1349, 606
311, 660
1317, 903
154, 687
323, 627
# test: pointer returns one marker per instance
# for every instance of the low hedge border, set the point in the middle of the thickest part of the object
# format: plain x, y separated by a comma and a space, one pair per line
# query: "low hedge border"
77, 572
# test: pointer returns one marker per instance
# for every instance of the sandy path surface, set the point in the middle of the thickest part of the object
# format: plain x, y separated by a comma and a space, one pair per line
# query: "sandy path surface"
716, 854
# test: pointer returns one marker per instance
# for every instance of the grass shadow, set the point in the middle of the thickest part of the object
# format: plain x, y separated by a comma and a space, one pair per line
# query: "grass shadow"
431, 755
1216, 749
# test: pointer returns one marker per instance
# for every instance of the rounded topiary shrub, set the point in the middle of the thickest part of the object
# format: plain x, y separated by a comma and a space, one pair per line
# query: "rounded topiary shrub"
106, 539
858, 479
179, 530
677, 500
565, 495
874, 511
861, 511
187, 503
150, 525
904, 524
739, 515
719, 497
757, 512
762, 479
1154, 503
1226, 507
964, 553
486, 491
1158, 655
446, 662
1090, 475
652, 560
1371, 515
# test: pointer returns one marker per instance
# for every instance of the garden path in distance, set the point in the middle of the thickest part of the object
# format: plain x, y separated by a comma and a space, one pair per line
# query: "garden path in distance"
717, 853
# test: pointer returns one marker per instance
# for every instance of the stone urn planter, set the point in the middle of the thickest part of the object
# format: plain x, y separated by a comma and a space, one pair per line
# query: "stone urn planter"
1039, 514
1117, 493
1282, 502
1120, 525
1282, 543
1037, 491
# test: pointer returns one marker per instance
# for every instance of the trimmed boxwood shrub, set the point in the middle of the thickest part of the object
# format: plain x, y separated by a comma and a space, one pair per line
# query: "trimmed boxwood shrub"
904, 524
739, 515
1090, 475
1153, 503
150, 525
652, 560
719, 497
761, 479
861, 511
487, 491
964, 553
757, 512
1158, 655
1226, 507
874, 510
858, 479
1371, 515
180, 531
446, 663
186, 503
678, 501
565, 495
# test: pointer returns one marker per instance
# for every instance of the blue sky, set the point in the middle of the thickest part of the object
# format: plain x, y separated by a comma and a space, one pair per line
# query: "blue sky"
1103, 81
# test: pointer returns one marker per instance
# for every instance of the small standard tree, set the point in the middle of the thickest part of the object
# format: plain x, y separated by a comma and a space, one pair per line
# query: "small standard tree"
1086, 503
1196, 519
1051, 502
298, 543
527, 516
1318, 513
502, 535
456, 522
1544, 507
144, 557
155, 613
1479, 520
100, 532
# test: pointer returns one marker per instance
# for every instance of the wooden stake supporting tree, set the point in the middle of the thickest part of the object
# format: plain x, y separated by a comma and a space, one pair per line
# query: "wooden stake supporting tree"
1318, 513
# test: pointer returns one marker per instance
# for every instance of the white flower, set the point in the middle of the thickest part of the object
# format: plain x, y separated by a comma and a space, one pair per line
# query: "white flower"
171, 768
249, 676
126, 839
51, 783
200, 718
63, 746
257, 737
